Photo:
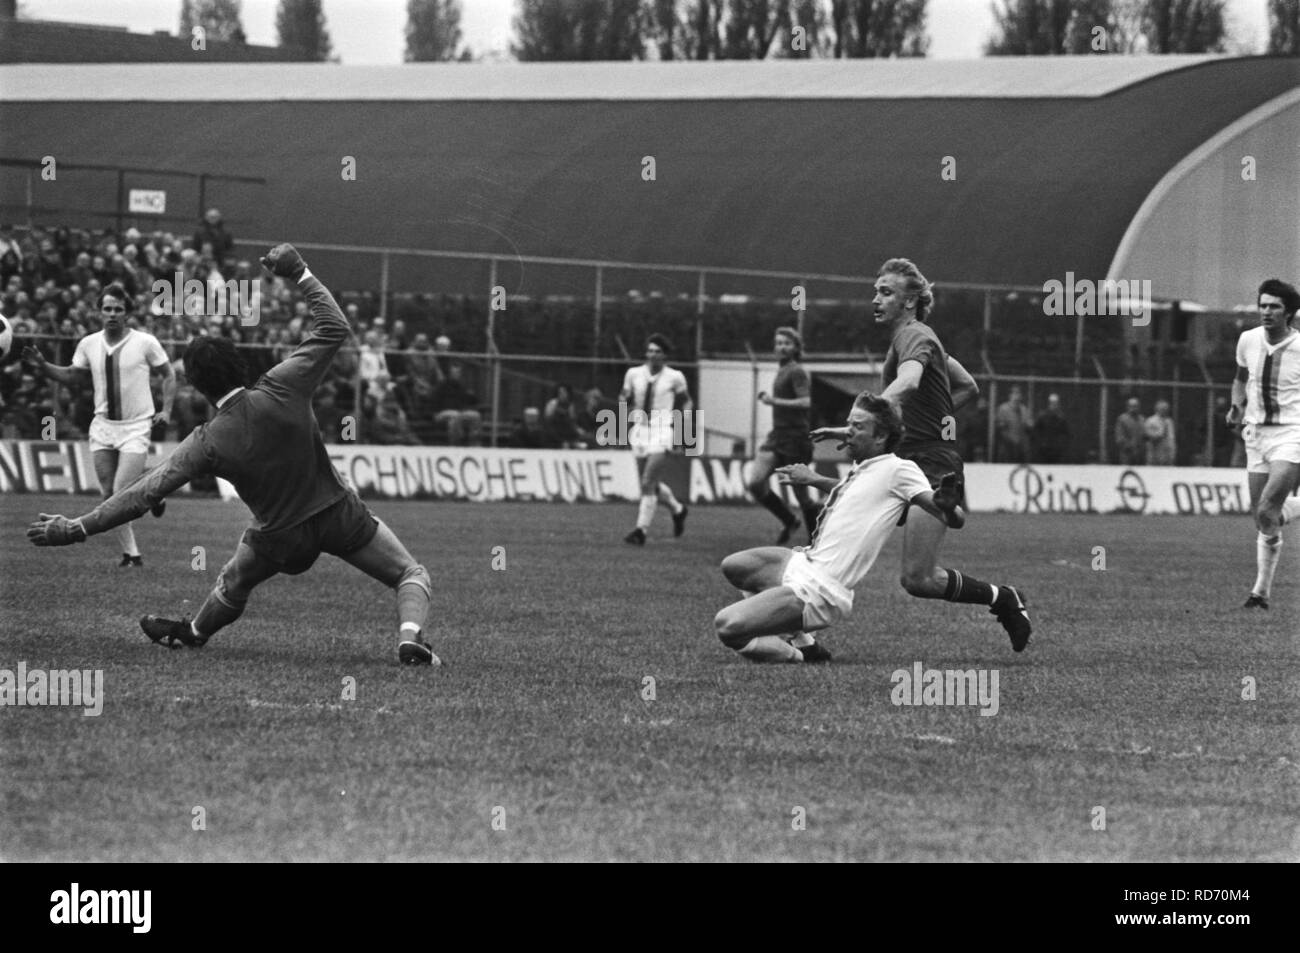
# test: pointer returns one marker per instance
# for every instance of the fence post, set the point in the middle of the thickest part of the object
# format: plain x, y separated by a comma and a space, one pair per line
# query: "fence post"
496, 393
203, 195
699, 318
595, 323
383, 286
1103, 453
357, 384
799, 321
121, 198
491, 315
991, 430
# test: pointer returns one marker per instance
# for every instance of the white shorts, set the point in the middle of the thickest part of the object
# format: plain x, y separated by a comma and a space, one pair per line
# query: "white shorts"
647, 440
124, 436
825, 601
1269, 443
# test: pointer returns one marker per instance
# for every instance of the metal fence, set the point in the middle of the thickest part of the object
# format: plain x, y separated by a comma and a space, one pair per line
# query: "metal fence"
505, 385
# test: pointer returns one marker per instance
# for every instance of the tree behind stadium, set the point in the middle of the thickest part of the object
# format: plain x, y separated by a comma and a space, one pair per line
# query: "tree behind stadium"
1284, 27
756, 29
580, 30
218, 18
1049, 27
300, 25
1185, 26
433, 31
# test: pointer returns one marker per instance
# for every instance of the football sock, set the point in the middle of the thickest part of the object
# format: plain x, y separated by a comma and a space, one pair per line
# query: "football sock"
214, 614
802, 640
1291, 509
126, 537
770, 648
776, 506
667, 499
1267, 551
967, 589
646, 514
413, 594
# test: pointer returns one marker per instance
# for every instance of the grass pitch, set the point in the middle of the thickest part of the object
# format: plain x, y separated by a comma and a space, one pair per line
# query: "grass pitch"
535, 741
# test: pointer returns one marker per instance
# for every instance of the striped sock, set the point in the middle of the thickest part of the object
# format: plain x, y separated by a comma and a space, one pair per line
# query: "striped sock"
968, 589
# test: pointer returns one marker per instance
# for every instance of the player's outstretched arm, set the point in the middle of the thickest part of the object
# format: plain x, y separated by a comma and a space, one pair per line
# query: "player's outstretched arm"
841, 434
800, 474
906, 383
55, 372
187, 461
304, 369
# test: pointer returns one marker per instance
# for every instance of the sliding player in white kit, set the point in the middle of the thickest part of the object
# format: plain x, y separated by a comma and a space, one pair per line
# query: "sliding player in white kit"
118, 361
809, 588
656, 401
1266, 400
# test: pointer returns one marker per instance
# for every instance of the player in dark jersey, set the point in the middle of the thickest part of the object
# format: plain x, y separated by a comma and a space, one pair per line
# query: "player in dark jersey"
264, 440
789, 442
929, 385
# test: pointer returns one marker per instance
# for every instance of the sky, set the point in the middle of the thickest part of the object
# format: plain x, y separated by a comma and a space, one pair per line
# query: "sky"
370, 32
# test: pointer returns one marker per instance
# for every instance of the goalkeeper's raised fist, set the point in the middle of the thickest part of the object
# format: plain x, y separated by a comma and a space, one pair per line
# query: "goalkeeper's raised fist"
284, 261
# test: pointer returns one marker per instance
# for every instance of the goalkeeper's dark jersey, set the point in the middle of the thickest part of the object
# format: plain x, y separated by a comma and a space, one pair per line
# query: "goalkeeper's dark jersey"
263, 439
924, 412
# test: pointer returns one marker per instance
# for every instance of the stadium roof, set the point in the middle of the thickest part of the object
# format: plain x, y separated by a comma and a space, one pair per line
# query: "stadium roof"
999, 77
822, 167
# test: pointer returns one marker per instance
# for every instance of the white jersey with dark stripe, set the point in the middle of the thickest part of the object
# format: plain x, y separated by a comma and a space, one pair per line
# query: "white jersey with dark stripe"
1273, 385
121, 373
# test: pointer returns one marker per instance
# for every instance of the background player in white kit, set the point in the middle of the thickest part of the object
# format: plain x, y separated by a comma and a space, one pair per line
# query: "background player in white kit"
118, 361
1266, 401
807, 589
654, 396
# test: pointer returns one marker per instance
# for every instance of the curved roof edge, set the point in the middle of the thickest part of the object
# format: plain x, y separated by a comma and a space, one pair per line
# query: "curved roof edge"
1020, 77
1190, 162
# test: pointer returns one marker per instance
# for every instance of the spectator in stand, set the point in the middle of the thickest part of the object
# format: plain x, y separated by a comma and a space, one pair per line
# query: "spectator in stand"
1052, 433
456, 408
1012, 430
589, 416
1130, 434
559, 420
421, 374
389, 425
212, 232
397, 345
529, 433
1225, 437
1162, 442
10, 244
972, 424
374, 367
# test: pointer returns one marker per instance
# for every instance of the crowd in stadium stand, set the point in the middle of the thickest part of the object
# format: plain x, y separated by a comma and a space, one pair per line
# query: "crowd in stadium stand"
406, 386
412, 390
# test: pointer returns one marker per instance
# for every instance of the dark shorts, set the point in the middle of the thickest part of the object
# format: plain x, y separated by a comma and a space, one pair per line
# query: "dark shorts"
339, 529
788, 447
935, 461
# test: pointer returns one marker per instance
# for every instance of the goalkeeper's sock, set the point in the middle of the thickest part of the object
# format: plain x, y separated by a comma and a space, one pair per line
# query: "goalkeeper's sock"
413, 596
802, 640
213, 615
1267, 551
968, 589
646, 514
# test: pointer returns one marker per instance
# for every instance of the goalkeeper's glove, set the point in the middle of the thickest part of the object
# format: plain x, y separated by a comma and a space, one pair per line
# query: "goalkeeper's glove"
50, 530
284, 261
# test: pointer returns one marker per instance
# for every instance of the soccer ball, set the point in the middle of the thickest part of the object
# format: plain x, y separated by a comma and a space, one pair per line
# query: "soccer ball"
6, 337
